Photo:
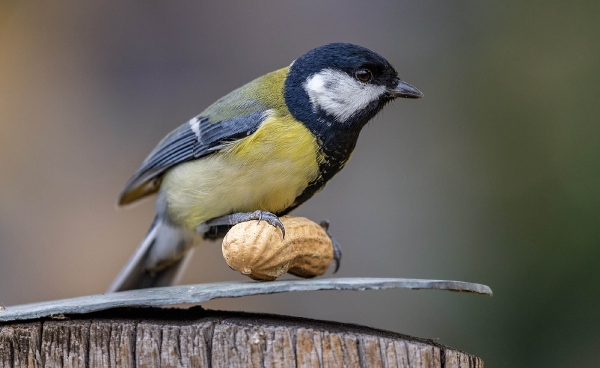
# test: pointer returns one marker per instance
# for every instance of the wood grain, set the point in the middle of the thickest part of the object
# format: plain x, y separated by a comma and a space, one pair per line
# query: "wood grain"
200, 338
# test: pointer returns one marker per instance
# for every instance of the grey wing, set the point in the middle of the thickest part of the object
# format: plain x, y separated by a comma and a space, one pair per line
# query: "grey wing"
197, 138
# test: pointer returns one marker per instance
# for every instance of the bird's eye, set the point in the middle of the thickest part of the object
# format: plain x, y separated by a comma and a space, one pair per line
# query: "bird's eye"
363, 75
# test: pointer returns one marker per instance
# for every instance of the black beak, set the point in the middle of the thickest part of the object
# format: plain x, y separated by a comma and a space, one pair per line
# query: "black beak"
405, 90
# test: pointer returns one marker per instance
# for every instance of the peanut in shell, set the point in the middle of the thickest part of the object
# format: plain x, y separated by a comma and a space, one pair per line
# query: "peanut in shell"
258, 250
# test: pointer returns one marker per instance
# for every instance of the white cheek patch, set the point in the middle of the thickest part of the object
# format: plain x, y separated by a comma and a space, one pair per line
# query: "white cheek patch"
339, 94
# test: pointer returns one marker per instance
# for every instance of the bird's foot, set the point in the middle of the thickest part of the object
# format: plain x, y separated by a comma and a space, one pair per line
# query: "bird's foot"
239, 217
337, 249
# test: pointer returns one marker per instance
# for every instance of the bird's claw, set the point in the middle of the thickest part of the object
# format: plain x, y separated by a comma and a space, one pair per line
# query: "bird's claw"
270, 218
236, 218
337, 249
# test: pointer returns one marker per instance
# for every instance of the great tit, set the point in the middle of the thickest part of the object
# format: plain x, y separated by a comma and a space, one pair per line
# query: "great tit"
256, 154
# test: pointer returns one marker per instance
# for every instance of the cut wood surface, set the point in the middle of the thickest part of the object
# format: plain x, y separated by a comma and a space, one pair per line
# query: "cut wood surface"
151, 337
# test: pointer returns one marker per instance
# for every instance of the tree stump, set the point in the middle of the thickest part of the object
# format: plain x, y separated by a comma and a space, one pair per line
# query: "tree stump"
195, 337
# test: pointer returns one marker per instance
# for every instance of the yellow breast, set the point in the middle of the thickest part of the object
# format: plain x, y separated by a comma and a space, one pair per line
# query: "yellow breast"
264, 171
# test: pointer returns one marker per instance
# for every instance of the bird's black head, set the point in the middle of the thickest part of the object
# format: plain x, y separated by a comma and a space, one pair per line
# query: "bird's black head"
334, 90
341, 86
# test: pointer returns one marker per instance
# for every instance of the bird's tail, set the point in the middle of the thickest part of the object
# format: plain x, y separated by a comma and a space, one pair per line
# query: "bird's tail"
159, 260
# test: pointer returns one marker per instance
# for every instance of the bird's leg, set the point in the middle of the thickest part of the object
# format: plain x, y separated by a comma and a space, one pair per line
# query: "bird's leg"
337, 249
236, 218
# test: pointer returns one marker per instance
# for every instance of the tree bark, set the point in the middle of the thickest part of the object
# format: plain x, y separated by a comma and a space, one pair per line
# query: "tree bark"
151, 337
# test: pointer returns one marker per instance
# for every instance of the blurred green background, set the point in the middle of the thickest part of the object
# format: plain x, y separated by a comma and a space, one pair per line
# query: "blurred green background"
493, 177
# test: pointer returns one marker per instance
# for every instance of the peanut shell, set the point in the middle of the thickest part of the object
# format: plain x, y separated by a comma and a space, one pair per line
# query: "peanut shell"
258, 250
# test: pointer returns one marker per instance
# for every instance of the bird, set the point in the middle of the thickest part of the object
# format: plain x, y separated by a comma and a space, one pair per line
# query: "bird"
256, 154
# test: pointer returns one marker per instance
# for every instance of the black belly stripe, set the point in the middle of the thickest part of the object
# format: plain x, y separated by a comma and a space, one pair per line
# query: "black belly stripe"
337, 152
